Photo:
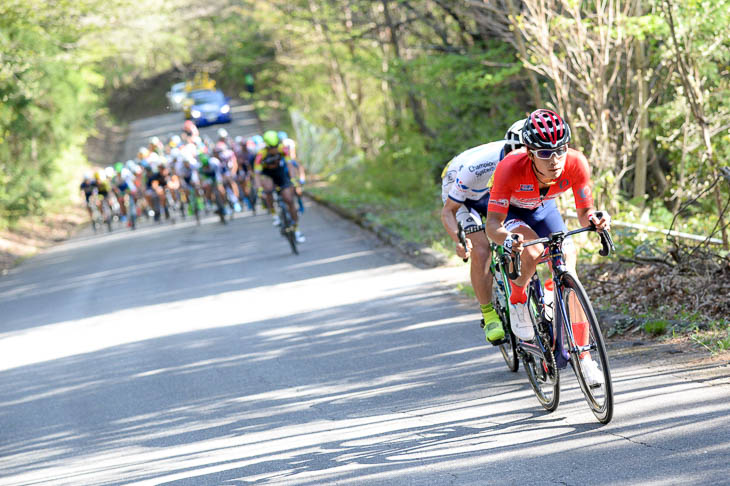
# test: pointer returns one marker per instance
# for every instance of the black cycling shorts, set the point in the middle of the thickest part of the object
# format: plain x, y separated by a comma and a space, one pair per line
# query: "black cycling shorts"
280, 177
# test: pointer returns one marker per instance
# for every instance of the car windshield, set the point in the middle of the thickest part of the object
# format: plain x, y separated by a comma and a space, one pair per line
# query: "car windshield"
200, 97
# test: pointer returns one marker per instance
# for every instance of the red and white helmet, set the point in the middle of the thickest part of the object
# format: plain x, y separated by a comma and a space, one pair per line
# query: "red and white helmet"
544, 129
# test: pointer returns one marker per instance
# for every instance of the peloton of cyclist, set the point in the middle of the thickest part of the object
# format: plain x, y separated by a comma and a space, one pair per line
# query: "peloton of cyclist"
521, 208
273, 163
465, 194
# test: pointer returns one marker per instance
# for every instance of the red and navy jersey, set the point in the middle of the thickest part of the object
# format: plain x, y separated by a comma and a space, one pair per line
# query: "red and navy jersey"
515, 183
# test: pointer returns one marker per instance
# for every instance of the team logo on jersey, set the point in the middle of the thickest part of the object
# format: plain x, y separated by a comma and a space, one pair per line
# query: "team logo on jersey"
462, 186
527, 187
584, 192
500, 202
563, 183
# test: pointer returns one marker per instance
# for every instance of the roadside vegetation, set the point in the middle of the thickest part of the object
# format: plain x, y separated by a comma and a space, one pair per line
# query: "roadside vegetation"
380, 95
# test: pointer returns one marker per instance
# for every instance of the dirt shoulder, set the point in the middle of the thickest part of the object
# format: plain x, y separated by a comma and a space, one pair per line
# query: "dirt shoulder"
33, 235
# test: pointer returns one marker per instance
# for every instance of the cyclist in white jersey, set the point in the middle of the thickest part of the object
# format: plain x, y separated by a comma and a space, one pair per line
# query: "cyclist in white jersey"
465, 193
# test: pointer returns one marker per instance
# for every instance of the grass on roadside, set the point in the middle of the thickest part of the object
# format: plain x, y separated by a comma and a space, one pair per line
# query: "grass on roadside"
715, 339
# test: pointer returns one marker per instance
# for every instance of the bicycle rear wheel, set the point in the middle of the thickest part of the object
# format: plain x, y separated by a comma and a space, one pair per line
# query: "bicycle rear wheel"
509, 347
542, 371
582, 323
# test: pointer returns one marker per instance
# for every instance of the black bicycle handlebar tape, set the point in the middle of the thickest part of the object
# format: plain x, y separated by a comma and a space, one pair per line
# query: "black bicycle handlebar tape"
516, 263
462, 239
607, 243
606, 240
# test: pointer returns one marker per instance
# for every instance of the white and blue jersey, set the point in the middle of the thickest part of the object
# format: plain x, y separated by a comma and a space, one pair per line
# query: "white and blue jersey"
468, 175
467, 178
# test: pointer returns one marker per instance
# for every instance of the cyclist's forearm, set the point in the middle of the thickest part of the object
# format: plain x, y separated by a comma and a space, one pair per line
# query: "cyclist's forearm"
495, 228
584, 215
448, 219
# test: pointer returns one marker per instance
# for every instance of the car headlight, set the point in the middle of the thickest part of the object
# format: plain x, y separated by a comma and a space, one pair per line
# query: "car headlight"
225, 109
195, 113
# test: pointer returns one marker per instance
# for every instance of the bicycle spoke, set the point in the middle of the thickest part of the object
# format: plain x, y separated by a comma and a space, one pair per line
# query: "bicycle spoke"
542, 372
583, 339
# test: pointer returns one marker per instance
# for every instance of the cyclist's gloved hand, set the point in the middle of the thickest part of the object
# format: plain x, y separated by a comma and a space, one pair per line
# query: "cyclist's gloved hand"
513, 244
601, 220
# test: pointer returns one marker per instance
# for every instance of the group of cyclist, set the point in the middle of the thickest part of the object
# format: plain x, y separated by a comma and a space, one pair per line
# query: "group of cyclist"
197, 173
513, 184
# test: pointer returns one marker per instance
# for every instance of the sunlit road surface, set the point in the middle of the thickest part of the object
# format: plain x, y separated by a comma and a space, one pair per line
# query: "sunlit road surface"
210, 355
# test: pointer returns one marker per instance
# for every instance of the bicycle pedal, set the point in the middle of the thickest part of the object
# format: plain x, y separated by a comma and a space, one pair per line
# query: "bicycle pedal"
481, 323
498, 342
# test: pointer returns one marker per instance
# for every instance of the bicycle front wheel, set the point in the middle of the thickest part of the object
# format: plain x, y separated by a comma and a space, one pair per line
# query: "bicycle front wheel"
540, 366
509, 347
287, 224
588, 356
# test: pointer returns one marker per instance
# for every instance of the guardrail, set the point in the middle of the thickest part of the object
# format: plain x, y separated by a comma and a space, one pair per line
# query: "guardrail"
652, 229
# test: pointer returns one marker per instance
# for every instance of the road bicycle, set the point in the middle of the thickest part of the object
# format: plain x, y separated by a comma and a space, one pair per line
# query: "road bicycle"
566, 331
286, 222
131, 205
558, 326
96, 218
106, 214
196, 201
500, 298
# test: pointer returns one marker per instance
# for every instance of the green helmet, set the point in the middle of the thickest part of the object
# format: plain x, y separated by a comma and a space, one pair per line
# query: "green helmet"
118, 167
203, 158
271, 138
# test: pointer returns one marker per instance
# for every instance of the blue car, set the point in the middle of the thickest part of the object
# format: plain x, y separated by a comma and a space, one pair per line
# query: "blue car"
207, 107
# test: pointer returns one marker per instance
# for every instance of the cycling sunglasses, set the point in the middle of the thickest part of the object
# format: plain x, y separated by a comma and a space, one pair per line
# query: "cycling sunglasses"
546, 153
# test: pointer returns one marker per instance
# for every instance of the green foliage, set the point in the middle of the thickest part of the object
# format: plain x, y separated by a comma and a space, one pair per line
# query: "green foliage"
47, 98
715, 339
656, 327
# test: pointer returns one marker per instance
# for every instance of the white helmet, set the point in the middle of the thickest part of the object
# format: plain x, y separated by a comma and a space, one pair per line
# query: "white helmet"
109, 171
222, 133
514, 136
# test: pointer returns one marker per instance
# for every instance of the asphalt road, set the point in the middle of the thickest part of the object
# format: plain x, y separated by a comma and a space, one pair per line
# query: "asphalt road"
210, 355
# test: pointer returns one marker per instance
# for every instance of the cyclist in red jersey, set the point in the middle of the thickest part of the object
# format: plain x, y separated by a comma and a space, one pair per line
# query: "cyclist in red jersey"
523, 183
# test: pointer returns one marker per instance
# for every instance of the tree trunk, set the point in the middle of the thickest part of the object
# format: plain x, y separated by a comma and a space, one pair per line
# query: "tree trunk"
642, 152
413, 102
520, 43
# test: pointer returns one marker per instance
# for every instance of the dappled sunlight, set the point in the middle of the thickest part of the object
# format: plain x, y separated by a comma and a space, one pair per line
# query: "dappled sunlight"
334, 366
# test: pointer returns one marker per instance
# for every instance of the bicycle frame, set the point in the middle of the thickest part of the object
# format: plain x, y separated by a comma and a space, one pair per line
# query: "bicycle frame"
553, 255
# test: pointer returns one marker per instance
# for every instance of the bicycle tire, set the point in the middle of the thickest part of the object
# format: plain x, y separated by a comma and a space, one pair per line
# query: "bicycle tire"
107, 214
194, 201
600, 398
509, 347
287, 225
219, 206
170, 206
132, 212
543, 375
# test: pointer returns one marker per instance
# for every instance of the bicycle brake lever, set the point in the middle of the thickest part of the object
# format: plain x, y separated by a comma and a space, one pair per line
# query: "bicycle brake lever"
516, 263
606, 243
606, 240
462, 239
